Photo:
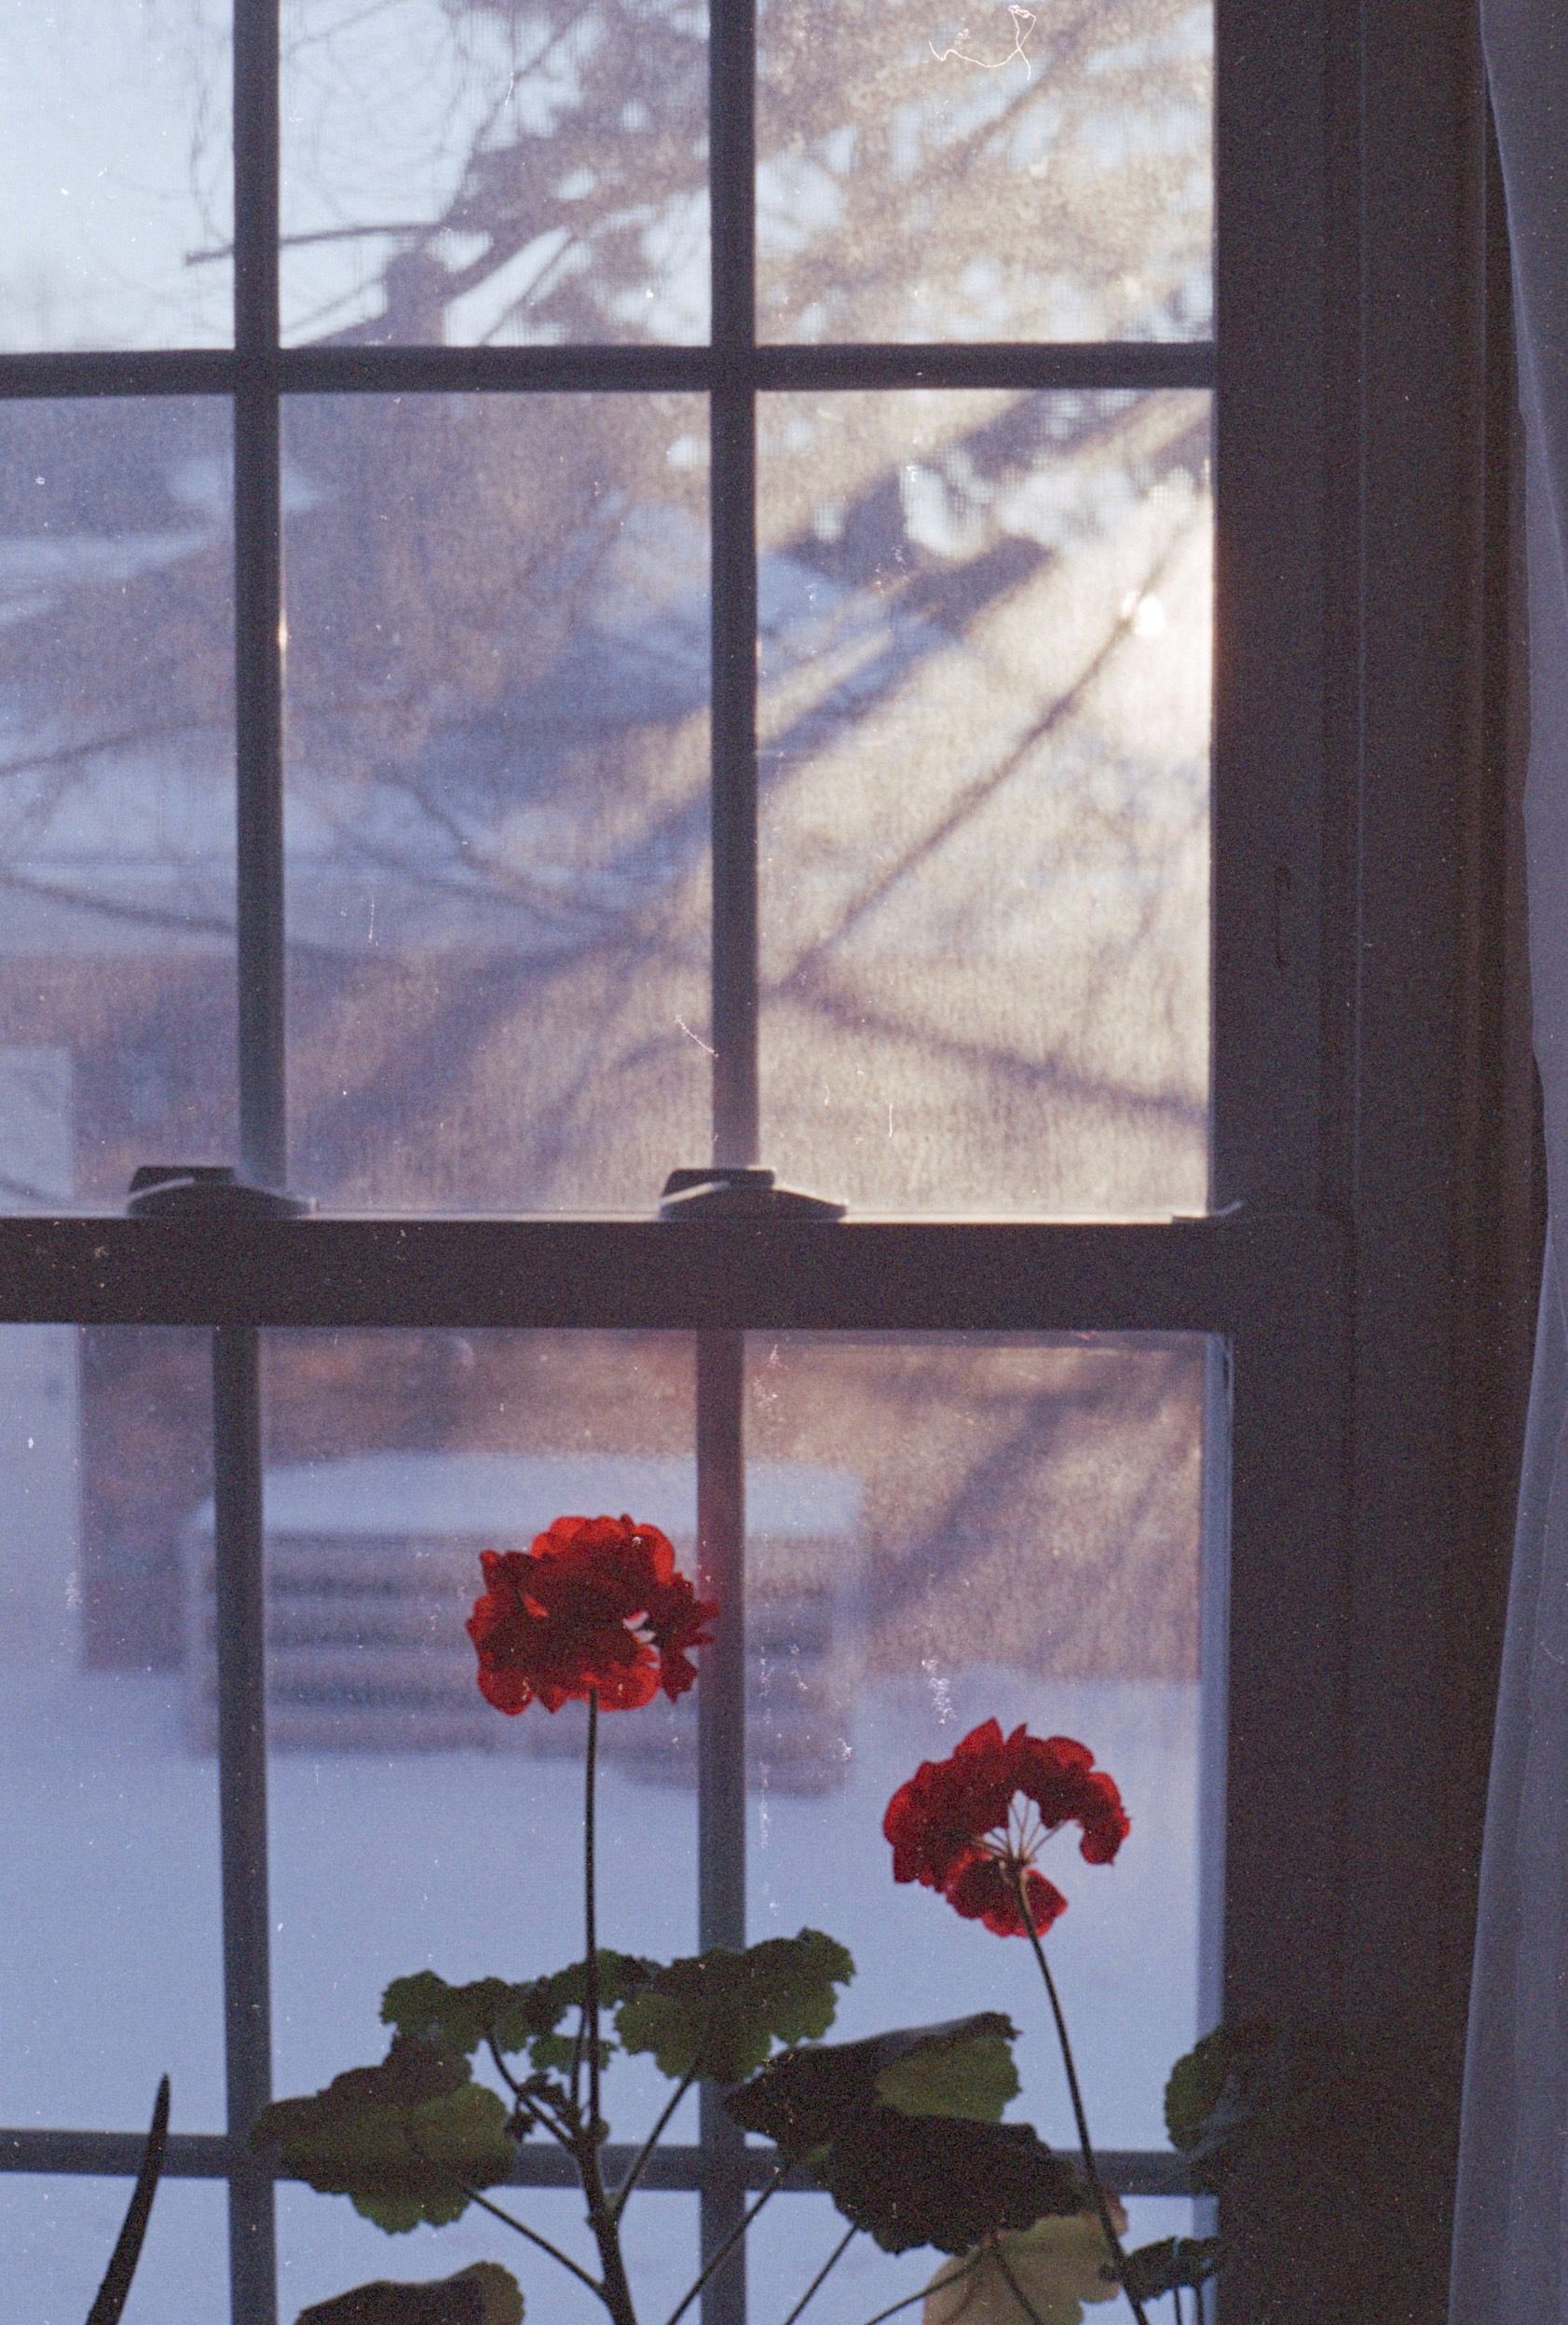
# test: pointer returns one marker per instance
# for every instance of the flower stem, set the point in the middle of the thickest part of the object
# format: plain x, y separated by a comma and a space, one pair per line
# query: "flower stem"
602, 2217
1091, 2169
591, 1996
821, 2276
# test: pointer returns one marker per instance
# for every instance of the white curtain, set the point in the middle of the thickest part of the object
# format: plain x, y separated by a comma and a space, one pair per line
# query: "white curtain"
1510, 2261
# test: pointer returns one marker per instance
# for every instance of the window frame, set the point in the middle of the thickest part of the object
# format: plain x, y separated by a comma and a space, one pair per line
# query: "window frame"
1362, 1263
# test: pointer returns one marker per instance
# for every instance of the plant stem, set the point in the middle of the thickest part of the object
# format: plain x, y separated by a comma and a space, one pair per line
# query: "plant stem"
513, 2084
534, 2237
910, 2298
590, 1998
639, 2161
821, 2276
721, 2252
1091, 2169
616, 2292
1020, 2295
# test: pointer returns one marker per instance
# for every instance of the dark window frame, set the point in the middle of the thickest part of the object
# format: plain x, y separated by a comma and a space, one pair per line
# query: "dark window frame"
1362, 1289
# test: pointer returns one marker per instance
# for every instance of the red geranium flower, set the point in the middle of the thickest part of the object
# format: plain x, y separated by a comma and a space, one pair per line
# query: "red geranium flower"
971, 1825
594, 1606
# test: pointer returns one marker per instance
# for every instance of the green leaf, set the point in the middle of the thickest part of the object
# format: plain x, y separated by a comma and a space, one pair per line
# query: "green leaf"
456, 2018
400, 2139
808, 2095
1211, 2098
1188, 2262
911, 2180
723, 2011
483, 2294
1059, 2266
937, 2168
967, 2074
521, 2018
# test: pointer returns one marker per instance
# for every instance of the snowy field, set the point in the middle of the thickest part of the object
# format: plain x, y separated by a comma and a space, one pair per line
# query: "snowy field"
466, 1862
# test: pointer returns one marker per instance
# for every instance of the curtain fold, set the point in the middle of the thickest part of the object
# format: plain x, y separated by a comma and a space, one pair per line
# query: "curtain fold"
1510, 2258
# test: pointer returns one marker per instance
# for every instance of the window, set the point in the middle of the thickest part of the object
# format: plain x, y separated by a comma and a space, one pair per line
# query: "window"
696, 558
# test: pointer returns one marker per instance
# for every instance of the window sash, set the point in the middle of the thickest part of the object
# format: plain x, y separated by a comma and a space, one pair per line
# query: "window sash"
1271, 1290
1273, 1281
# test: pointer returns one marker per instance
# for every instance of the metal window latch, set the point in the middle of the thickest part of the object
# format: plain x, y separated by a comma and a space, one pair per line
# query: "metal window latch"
728, 1191
206, 1191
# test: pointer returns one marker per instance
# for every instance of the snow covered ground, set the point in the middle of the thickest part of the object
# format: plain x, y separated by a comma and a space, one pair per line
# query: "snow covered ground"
466, 1861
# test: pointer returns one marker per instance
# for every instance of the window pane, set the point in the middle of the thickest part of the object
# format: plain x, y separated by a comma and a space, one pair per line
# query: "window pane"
393, 1460
109, 1896
985, 799
936, 170
116, 803
481, 174
115, 170
57, 2234
497, 807
1014, 1534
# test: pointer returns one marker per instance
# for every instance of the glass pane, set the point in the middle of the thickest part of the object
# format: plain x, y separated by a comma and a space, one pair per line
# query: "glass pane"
115, 172
109, 1893
57, 2234
1007, 1530
794, 2237
483, 173
984, 728
984, 171
116, 808
393, 1460
324, 2247
497, 806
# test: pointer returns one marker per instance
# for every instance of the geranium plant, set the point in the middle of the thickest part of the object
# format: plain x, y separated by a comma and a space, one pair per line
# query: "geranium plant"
903, 2131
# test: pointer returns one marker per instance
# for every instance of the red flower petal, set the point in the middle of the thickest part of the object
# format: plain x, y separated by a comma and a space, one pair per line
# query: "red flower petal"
983, 1891
594, 1606
980, 1890
949, 1823
1106, 1823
